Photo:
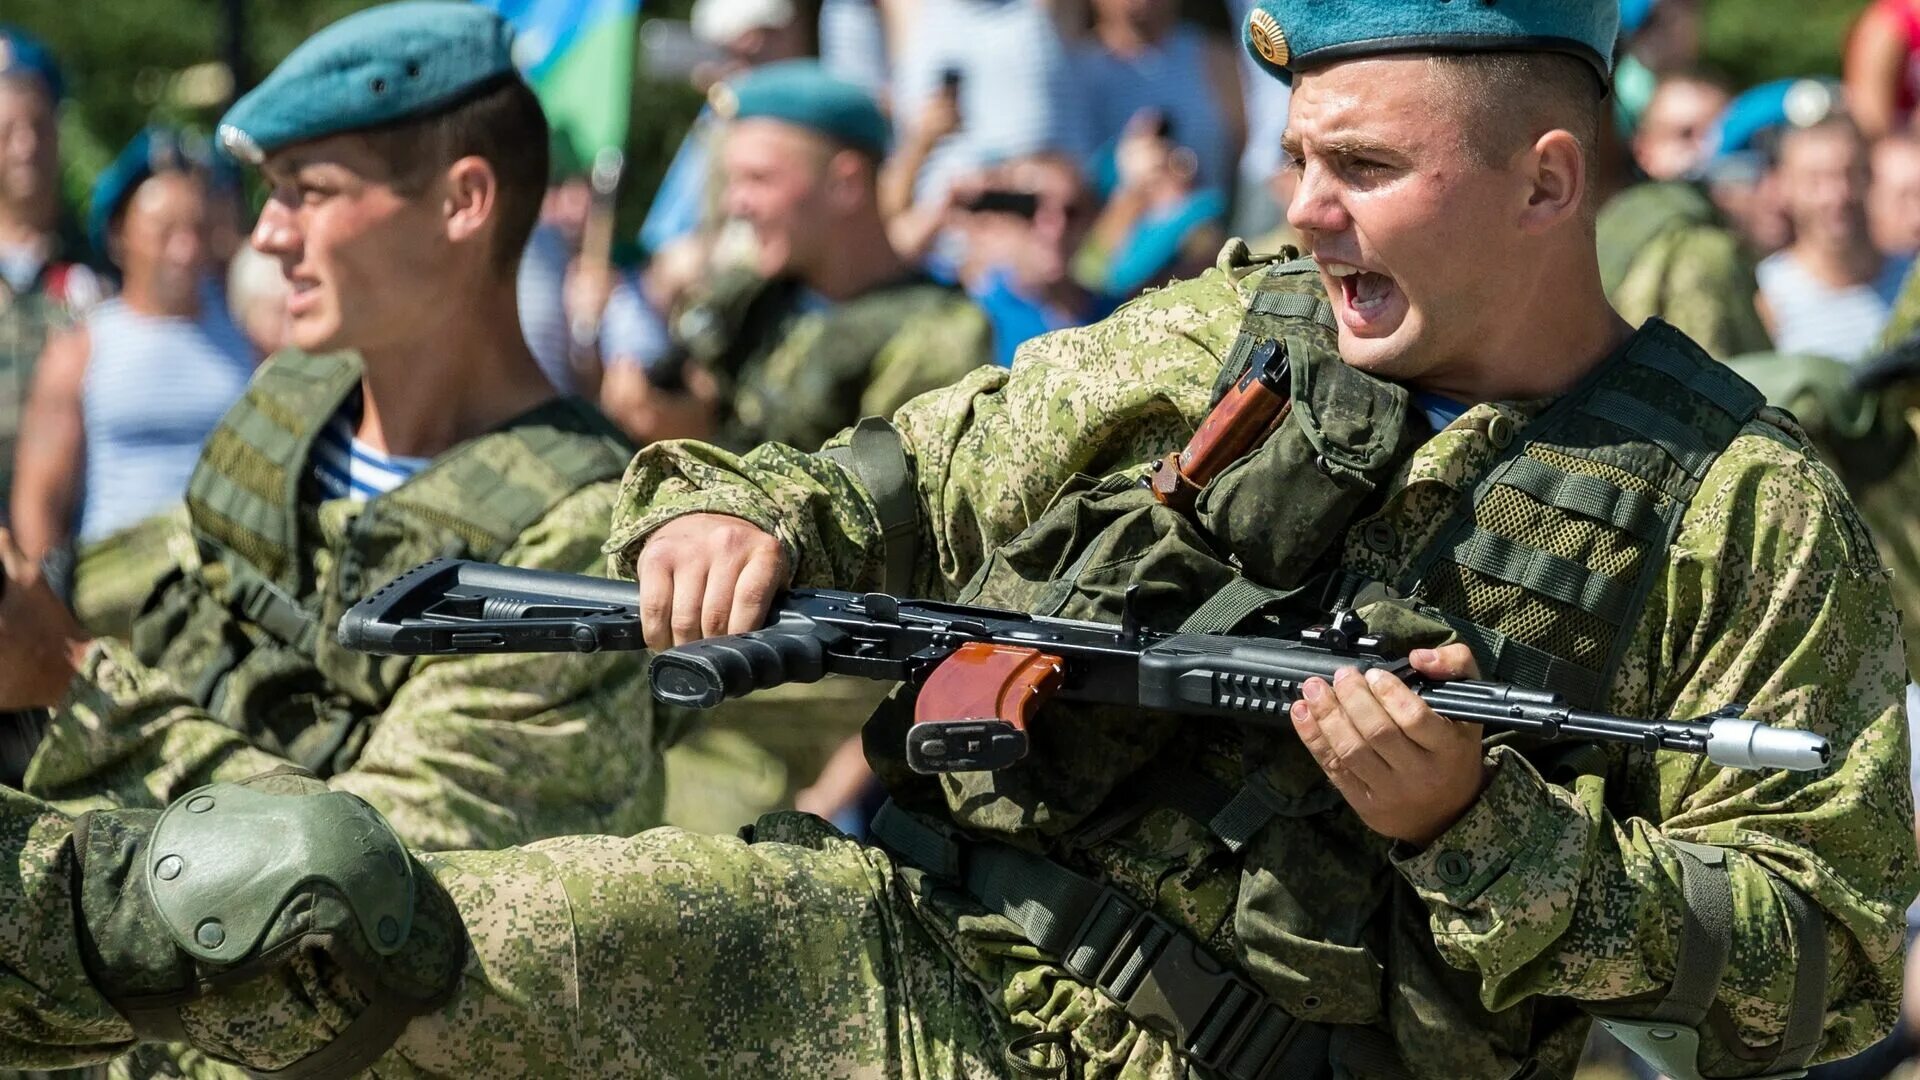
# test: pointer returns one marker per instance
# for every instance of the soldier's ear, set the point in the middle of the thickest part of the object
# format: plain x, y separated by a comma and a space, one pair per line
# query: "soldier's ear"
471, 195
1554, 170
850, 179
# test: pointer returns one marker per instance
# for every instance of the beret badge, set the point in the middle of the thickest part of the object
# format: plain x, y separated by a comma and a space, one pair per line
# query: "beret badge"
1268, 39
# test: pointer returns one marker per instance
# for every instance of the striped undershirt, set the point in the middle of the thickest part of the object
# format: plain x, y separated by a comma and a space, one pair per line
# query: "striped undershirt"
346, 468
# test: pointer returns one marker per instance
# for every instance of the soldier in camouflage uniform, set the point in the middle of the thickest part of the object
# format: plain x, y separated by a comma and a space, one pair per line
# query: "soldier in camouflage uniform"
1665, 252
41, 289
338, 470
1599, 510
828, 324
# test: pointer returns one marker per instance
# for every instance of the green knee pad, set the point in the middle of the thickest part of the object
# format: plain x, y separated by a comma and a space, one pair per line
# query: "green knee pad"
233, 881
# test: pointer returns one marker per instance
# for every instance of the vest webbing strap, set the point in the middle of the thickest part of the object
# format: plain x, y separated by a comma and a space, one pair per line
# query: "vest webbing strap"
1231, 606
1588, 496
1161, 976
1719, 384
876, 456
1294, 305
1518, 662
1682, 443
1549, 575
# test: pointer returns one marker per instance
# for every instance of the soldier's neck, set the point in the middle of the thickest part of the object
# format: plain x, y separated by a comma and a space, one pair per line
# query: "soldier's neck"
861, 259
461, 377
1557, 328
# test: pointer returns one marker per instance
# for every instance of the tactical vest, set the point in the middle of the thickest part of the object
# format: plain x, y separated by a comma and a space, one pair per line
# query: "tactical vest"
737, 333
247, 633
1156, 830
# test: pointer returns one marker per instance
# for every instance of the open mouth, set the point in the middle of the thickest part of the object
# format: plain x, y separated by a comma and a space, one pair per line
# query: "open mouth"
1366, 299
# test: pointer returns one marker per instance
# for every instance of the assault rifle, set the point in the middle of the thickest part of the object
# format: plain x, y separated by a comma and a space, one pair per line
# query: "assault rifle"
983, 672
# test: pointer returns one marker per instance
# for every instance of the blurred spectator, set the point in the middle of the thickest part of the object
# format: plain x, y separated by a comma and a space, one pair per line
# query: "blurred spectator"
750, 33
1658, 38
122, 403
1672, 139
1740, 169
1883, 67
1008, 67
1831, 291
1023, 223
1893, 202
543, 279
257, 300
42, 285
853, 44
1142, 58
1160, 224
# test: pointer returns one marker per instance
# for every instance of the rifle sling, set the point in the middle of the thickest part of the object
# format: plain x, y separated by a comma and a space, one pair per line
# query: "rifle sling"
1161, 976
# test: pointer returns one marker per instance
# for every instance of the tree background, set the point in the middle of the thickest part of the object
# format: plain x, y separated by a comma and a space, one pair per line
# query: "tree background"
132, 62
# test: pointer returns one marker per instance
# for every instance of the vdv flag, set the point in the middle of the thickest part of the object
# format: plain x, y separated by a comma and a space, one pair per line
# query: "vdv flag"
578, 57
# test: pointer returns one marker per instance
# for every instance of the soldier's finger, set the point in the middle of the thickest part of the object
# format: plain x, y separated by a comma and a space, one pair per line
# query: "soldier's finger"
716, 607
1347, 749
689, 593
753, 594
656, 601
1314, 737
1372, 721
1447, 662
1423, 729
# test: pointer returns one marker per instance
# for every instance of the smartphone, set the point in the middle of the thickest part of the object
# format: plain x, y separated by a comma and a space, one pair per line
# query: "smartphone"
950, 79
999, 201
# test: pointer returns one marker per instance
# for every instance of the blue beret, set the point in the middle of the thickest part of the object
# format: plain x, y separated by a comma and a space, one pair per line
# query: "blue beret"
154, 150
801, 92
1778, 104
1285, 36
378, 66
23, 54
1634, 14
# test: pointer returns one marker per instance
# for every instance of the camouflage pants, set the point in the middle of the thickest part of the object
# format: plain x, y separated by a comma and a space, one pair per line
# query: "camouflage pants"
679, 955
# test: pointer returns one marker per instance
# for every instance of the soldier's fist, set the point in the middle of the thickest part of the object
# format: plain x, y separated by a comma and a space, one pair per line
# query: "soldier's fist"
1406, 770
705, 575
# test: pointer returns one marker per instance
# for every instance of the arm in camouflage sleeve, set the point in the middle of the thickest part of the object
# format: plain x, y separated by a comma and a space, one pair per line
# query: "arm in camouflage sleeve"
989, 452
1773, 597
1709, 292
472, 752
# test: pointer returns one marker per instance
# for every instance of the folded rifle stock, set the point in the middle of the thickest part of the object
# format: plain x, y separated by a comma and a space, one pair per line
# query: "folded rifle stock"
982, 672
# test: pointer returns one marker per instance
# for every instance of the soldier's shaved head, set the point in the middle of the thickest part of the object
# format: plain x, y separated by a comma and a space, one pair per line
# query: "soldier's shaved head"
1507, 100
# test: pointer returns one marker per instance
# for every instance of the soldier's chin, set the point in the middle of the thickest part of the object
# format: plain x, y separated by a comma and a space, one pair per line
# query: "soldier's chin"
315, 333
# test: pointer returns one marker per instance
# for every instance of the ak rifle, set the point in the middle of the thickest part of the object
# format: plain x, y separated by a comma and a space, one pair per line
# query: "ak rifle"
982, 672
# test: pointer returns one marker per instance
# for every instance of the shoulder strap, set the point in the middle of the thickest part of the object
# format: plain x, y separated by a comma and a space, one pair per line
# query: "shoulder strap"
878, 459
490, 490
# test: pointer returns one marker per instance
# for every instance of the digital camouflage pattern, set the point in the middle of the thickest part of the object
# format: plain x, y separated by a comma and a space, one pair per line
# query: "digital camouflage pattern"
59, 295
113, 575
796, 372
672, 954
1665, 252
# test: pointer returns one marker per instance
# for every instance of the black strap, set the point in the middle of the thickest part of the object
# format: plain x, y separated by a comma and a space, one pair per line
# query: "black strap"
877, 457
1162, 976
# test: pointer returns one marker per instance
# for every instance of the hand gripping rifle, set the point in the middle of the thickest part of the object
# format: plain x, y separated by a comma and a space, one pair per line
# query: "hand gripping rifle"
981, 672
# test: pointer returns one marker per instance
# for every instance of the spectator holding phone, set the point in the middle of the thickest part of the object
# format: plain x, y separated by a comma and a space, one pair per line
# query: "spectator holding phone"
1022, 229
1141, 57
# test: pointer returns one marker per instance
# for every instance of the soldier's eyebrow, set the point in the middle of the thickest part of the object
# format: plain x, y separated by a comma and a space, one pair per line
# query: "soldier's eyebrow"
1343, 144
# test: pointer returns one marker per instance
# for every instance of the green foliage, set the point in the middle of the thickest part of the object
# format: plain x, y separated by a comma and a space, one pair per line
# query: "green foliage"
1753, 41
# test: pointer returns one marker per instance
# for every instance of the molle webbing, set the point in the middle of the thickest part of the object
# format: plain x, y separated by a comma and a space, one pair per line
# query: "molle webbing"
1597, 488
249, 476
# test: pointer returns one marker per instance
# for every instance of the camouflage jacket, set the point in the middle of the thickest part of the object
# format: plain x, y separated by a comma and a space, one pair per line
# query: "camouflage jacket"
458, 752
60, 293
796, 374
1664, 252
1773, 596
